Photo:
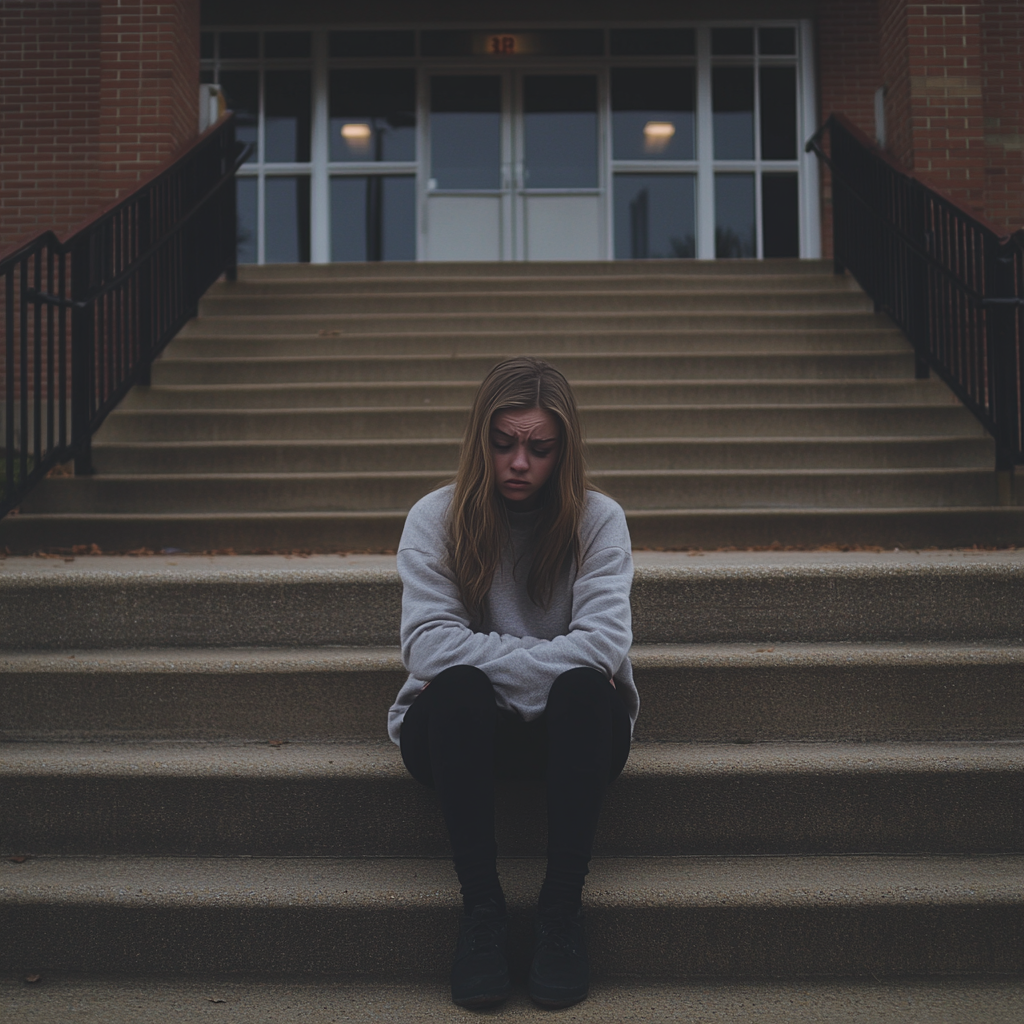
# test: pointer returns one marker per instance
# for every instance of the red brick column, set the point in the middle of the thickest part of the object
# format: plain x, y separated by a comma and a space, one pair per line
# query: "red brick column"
94, 96
149, 79
1002, 48
49, 115
848, 74
931, 65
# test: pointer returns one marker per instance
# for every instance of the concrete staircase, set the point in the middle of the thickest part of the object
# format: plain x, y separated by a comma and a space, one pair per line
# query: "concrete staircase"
825, 785
728, 403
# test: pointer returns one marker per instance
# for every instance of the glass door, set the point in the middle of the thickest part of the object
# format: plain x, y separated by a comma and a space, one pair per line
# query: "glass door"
514, 167
559, 188
468, 205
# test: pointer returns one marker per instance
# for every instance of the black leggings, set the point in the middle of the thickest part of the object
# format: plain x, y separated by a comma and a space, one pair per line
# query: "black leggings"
456, 740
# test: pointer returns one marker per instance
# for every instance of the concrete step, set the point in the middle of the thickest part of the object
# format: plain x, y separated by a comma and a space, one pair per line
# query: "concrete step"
661, 529
392, 489
769, 598
155, 999
623, 421
533, 268
447, 320
500, 281
521, 301
171, 369
649, 917
603, 454
556, 345
694, 693
358, 800
400, 394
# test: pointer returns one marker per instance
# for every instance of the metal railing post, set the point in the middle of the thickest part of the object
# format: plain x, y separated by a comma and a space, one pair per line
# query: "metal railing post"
82, 327
145, 310
1001, 327
229, 204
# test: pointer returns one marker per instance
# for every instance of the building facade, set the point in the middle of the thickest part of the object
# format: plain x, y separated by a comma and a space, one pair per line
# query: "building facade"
510, 132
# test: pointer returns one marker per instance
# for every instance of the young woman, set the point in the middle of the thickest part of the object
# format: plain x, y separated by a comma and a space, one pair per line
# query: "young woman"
515, 632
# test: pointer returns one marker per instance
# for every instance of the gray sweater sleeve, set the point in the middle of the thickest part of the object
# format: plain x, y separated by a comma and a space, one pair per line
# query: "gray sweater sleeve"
436, 632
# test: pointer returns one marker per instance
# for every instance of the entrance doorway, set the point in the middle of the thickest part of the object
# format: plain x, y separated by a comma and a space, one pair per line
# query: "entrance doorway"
563, 144
514, 167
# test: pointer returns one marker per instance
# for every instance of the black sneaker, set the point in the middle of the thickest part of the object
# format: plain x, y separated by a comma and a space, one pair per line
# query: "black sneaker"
560, 974
480, 971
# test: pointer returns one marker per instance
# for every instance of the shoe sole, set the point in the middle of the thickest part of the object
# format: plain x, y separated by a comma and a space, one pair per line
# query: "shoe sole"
558, 1002
479, 1002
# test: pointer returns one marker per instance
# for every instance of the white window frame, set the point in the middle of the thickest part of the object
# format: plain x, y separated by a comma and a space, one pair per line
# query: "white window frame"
320, 169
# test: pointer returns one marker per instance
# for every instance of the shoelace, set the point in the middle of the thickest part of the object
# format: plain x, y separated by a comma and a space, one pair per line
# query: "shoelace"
558, 933
482, 935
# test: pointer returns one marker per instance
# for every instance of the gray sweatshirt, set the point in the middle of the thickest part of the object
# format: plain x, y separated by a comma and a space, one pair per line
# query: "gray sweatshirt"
521, 647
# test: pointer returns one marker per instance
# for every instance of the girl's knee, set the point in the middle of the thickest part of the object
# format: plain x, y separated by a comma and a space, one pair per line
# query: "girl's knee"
577, 688
463, 685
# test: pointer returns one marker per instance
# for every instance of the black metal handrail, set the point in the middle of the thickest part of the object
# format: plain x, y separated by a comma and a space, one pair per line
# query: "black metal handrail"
84, 318
952, 283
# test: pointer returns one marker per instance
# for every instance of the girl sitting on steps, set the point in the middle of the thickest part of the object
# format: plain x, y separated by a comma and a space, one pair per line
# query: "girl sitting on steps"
516, 630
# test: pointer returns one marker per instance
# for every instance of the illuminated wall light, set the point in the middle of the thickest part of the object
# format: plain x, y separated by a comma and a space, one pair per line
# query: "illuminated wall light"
357, 136
657, 135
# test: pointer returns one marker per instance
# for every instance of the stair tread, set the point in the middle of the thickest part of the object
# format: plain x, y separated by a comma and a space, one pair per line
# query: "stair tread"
351, 760
389, 883
250, 660
155, 999
598, 474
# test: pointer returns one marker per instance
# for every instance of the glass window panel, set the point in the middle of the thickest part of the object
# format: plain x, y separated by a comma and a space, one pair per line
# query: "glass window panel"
560, 127
286, 220
735, 227
373, 44
732, 94
373, 115
205, 76
777, 41
465, 131
242, 95
550, 43
286, 44
239, 45
287, 116
780, 215
373, 217
653, 113
654, 216
652, 42
778, 114
206, 40
245, 203
398, 228
348, 219
732, 42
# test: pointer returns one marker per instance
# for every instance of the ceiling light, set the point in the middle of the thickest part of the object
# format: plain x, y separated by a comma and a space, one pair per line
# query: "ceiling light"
359, 132
657, 135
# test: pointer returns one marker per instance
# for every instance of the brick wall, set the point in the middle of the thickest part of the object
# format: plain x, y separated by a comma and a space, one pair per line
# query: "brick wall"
94, 95
49, 115
848, 74
955, 98
1002, 63
149, 74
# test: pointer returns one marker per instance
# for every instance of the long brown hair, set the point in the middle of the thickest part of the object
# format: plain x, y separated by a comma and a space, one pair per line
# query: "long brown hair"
477, 521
